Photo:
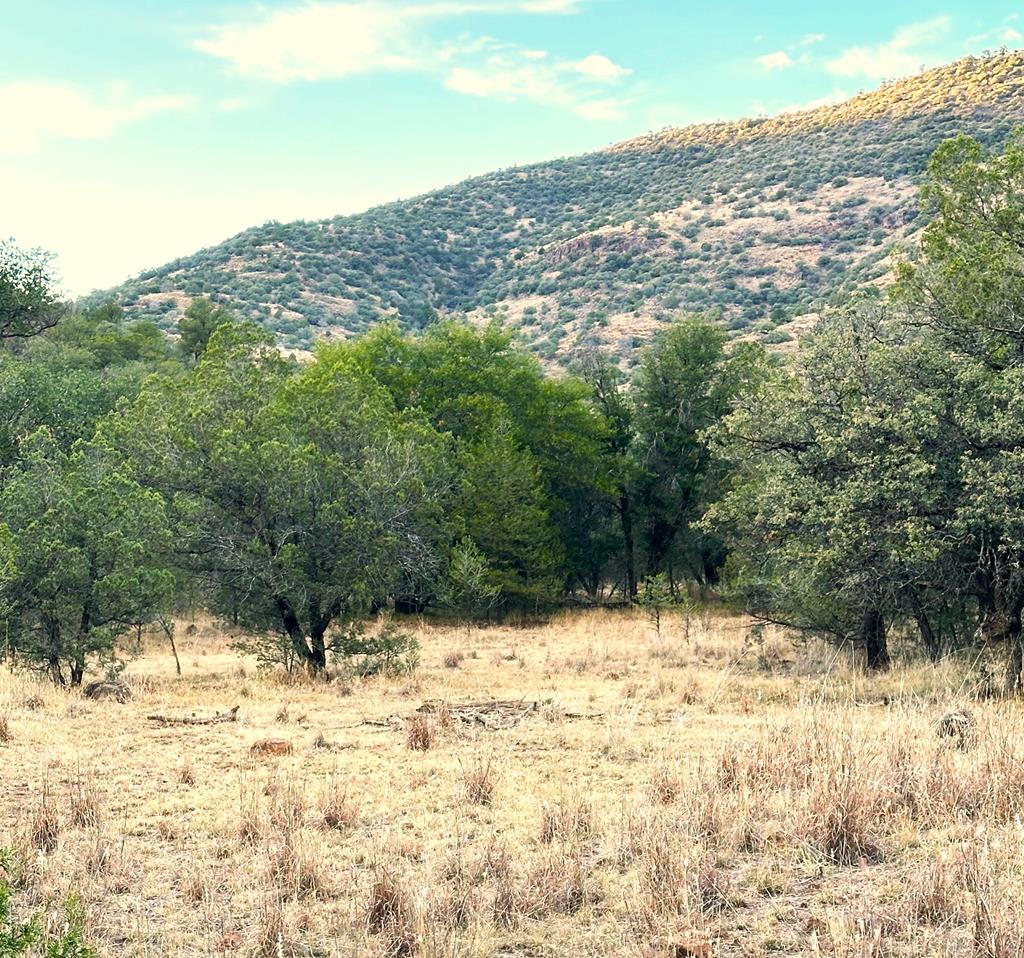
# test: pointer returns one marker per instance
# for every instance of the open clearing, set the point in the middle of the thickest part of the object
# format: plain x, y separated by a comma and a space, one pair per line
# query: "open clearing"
712, 795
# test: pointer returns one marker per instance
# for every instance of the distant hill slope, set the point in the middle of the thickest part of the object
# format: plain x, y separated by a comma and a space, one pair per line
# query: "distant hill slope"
760, 220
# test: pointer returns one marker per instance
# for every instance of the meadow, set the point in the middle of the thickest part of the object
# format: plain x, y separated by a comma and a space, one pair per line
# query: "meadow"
713, 791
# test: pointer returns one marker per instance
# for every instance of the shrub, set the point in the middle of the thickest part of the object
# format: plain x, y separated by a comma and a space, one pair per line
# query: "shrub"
19, 939
390, 652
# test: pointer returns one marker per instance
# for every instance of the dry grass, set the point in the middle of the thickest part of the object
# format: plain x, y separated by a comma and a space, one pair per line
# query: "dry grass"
709, 797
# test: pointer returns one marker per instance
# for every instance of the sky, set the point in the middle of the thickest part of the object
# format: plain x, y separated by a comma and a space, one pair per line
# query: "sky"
136, 131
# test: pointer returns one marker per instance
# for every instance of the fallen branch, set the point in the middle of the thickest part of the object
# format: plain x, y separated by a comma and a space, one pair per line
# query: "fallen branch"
230, 716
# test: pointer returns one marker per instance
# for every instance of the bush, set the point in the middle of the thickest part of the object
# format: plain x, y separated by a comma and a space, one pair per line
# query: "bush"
390, 652
19, 938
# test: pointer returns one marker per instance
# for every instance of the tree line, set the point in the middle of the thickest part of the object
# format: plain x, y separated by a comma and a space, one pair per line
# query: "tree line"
868, 485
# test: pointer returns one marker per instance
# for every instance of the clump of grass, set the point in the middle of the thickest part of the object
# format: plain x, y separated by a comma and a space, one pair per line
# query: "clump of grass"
392, 914
665, 786
5, 730
186, 773
44, 823
557, 883
480, 781
842, 811
84, 805
420, 733
935, 894
453, 660
271, 928
337, 810
296, 867
569, 821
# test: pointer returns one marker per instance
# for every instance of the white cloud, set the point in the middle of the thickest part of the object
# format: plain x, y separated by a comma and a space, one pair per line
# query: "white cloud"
898, 56
999, 37
780, 60
320, 40
314, 42
324, 41
598, 67
504, 78
811, 38
34, 112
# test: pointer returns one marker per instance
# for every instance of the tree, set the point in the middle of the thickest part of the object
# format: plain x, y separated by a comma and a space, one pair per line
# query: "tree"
300, 498
88, 549
488, 397
686, 383
837, 514
29, 303
880, 481
615, 406
469, 590
966, 292
199, 323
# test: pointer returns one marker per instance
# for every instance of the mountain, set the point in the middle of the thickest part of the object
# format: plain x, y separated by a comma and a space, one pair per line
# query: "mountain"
760, 221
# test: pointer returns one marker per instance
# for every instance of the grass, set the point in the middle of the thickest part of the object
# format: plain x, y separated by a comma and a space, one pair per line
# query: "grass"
701, 797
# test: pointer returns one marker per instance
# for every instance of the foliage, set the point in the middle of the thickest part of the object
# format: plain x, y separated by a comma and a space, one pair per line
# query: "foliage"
685, 384
302, 497
199, 323
29, 303
468, 589
389, 652
18, 939
88, 554
879, 480
527, 448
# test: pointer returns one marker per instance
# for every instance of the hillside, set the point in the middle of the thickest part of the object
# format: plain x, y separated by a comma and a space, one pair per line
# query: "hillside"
760, 220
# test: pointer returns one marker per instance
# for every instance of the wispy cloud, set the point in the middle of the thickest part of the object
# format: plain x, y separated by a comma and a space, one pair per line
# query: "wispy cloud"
811, 38
35, 112
898, 56
330, 41
553, 83
779, 60
997, 37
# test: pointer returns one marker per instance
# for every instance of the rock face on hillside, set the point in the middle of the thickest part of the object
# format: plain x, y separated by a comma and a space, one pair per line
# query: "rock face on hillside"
760, 221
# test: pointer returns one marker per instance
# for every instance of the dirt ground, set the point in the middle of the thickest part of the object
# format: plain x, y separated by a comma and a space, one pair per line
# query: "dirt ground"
715, 791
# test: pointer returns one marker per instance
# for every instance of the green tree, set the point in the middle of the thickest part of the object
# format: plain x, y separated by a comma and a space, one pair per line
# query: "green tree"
88, 550
880, 481
301, 497
839, 506
686, 383
199, 323
490, 398
29, 302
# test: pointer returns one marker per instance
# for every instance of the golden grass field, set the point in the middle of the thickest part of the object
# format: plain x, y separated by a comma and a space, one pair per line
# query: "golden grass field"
709, 795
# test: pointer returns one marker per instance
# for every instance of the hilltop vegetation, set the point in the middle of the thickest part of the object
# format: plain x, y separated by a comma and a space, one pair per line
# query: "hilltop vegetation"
759, 222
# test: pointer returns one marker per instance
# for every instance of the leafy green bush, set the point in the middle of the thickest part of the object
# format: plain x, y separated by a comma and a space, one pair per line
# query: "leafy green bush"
22, 938
390, 652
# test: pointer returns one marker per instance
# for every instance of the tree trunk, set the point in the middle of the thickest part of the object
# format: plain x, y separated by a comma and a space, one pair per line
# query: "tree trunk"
77, 671
629, 545
293, 629
930, 641
53, 655
876, 649
318, 655
1015, 664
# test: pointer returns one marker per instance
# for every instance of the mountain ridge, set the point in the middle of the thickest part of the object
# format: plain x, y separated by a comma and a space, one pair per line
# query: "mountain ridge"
759, 221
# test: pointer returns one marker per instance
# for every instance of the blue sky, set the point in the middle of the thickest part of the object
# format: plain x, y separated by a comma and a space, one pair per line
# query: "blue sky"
134, 131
